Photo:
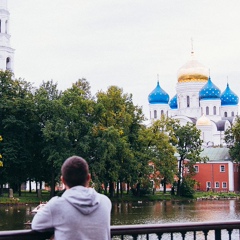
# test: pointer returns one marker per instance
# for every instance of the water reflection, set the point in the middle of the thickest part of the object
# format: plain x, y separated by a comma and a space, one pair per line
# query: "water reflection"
13, 218
175, 211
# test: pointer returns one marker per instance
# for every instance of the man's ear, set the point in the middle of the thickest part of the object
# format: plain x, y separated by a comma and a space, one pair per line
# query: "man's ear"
88, 179
63, 181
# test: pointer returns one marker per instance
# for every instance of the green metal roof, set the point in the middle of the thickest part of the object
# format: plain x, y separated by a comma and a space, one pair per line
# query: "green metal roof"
216, 154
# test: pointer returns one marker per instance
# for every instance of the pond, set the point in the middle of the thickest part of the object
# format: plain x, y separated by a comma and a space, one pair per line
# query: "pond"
15, 217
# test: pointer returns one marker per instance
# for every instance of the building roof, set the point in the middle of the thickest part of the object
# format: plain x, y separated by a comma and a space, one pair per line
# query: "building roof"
173, 102
158, 96
209, 91
216, 154
192, 71
228, 97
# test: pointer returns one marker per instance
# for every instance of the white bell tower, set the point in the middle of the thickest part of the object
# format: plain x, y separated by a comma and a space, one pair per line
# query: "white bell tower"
6, 52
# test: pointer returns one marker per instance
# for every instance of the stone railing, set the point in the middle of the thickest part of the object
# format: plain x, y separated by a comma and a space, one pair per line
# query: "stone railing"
192, 231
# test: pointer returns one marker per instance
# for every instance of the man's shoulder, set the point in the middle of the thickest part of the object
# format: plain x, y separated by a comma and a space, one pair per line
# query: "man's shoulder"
55, 200
104, 198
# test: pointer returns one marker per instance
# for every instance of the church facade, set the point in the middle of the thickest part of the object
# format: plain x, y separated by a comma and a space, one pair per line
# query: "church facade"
199, 101
6, 51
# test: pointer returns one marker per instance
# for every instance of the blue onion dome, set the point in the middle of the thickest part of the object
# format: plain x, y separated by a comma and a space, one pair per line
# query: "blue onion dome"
158, 95
209, 91
173, 102
228, 97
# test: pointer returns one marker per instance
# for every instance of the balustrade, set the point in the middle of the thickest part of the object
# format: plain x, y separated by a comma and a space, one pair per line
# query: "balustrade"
219, 230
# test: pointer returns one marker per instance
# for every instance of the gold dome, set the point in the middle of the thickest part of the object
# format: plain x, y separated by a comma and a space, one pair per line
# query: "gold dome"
203, 121
193, 71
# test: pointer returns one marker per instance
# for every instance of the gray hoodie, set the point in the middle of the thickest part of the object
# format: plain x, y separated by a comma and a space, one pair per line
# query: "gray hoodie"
80, 214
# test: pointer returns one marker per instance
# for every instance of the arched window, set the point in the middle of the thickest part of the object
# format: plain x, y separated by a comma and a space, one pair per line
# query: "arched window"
225, 114
188, 101
214, 110
8, 63
232, 114
155, 113
162, 112
6, 26
207, 110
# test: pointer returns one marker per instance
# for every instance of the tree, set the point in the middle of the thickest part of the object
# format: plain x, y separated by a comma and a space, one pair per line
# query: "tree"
116, 126
162, 155
232, 138
15, 111
189, 147
53, 130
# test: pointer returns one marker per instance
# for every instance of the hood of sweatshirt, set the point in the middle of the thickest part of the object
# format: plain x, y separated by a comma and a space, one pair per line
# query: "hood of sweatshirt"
86, 200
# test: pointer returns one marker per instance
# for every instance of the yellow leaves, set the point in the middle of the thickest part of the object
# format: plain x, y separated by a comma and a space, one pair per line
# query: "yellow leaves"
1, 138
1, 164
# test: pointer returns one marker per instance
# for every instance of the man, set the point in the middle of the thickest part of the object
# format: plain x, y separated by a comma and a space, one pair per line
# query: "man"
80, 213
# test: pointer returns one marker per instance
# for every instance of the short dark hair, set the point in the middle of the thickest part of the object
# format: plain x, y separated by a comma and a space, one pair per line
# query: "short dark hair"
75, 171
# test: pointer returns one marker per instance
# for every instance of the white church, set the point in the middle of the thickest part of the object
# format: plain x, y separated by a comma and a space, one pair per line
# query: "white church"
199, 101
6, 52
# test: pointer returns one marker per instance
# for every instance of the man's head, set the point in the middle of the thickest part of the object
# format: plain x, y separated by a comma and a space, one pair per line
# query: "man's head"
75, 172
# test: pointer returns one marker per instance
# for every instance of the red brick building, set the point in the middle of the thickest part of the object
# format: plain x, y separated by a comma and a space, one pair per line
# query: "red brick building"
220, 173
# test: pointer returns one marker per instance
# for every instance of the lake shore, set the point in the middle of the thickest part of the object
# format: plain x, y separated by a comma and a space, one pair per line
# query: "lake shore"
32, 198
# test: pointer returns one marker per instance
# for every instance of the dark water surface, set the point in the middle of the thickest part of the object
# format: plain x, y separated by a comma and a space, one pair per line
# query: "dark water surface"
14, 217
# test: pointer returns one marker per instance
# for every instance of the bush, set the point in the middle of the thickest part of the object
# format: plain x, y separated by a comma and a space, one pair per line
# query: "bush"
187, 187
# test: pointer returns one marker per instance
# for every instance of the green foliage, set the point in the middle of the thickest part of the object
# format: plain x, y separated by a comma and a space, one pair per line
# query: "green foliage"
160, 137
187, 187
44, 126
232, 138
189, 147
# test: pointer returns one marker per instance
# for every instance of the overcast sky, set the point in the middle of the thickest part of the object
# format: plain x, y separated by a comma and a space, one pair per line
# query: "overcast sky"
124, 42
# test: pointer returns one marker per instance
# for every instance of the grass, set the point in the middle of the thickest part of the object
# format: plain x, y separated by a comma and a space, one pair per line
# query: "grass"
26, 198
32, 198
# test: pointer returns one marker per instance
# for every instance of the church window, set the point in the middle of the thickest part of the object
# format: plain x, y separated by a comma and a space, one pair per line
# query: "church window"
216, 184
232, 114
162, 112
207, 110
6, 27
214, 110
224, 185
196, 169
188, 101
155, 113
225, 114
8, 63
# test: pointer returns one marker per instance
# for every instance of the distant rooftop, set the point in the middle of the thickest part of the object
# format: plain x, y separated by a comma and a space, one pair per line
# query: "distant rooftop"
216, 154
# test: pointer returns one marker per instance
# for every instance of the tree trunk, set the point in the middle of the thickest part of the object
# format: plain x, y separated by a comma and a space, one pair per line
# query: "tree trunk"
30, 185
52, 193
179, 177
117, 189
121, 189
105, 188
111, 189
19, 190
138, 189
1, 190
164, 185
128, 187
